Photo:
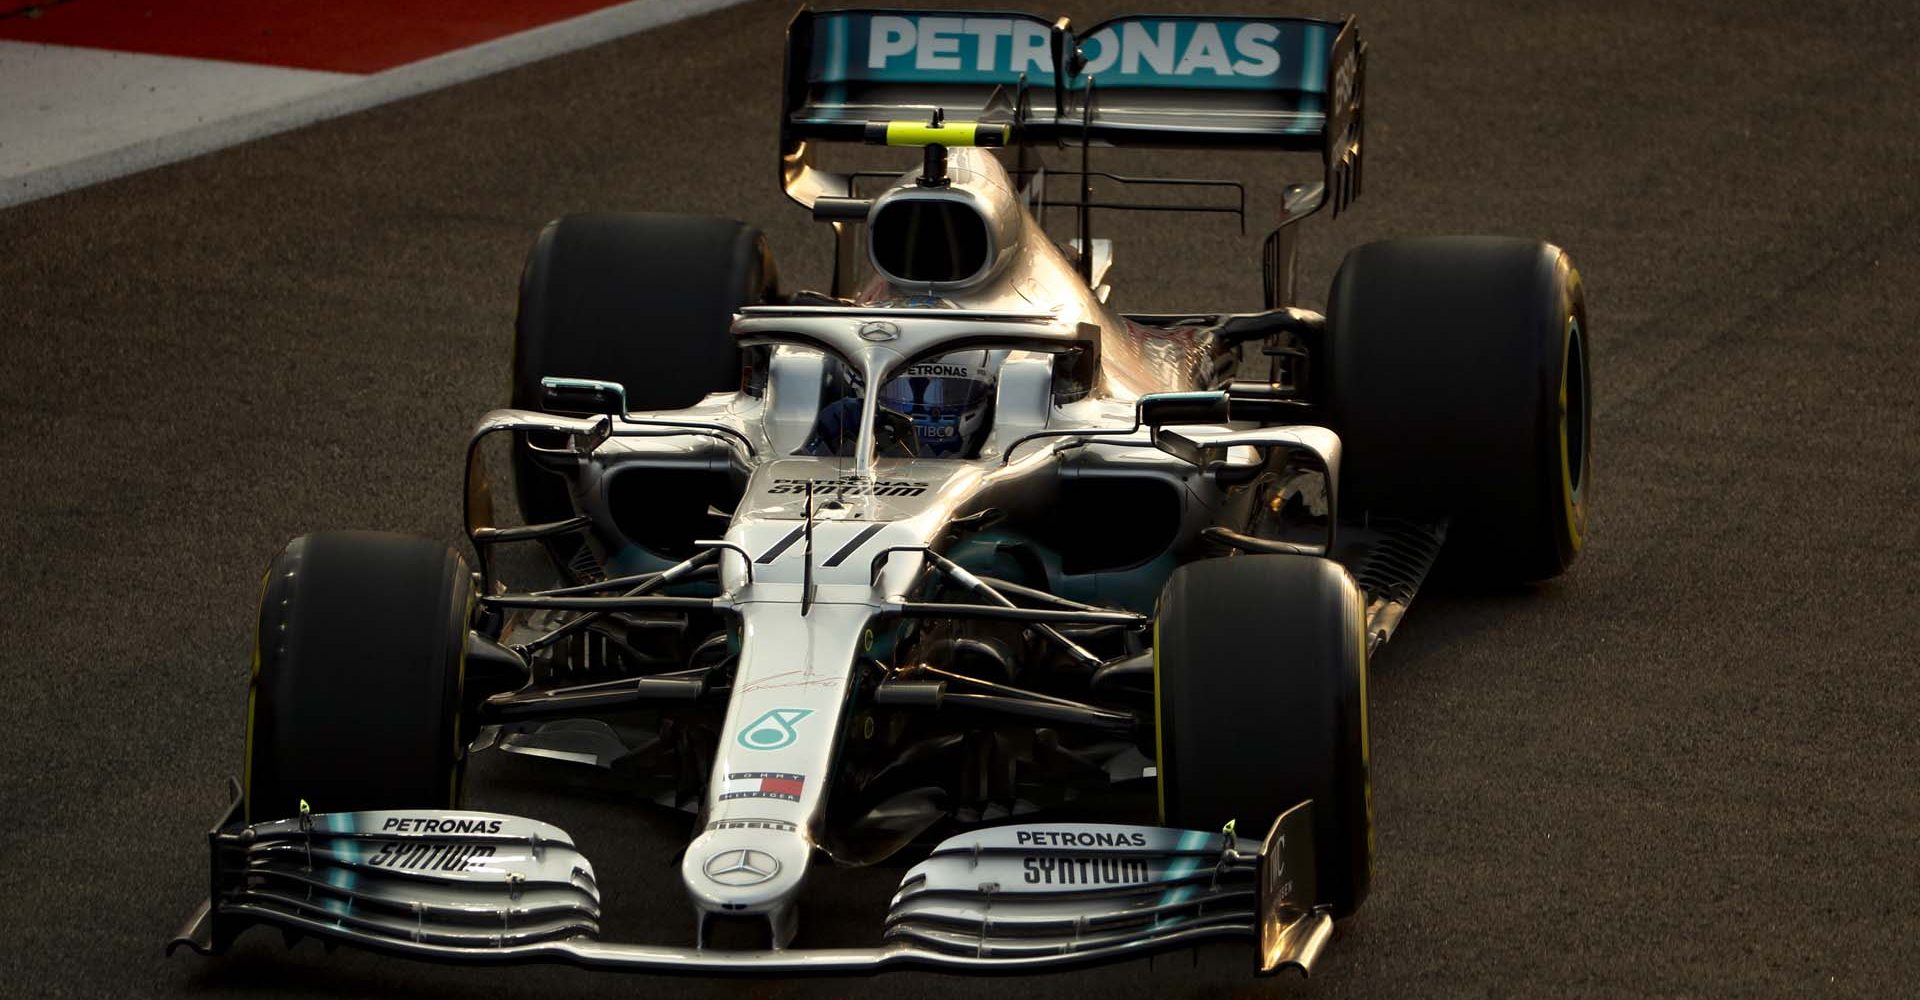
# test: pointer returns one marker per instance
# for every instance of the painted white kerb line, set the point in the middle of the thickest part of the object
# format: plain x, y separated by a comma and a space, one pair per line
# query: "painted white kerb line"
376, 89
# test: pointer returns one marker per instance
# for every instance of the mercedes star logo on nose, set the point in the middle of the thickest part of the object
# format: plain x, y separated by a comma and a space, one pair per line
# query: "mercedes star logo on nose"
742, 867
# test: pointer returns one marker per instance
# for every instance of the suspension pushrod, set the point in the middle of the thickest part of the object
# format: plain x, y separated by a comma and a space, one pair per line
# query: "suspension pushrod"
636, 599
1081, 714
603, 694
613, 583
1035, 594
965, 578
1006, 689
994, 612
601, 605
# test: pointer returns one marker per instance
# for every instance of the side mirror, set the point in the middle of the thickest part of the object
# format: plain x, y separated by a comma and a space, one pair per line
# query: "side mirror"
1157, 409
827, 208
582, 395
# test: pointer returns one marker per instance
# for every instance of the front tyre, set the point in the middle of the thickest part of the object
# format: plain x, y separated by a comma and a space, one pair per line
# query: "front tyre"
1260, 679
355, 701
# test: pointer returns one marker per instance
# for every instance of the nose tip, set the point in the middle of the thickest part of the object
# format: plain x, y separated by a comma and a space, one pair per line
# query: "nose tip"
740, 870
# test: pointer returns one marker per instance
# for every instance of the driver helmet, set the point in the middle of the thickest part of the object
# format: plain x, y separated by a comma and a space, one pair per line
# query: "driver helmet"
949, 400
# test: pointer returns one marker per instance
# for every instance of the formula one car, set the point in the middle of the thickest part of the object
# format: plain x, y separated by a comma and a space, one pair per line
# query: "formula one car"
951, 562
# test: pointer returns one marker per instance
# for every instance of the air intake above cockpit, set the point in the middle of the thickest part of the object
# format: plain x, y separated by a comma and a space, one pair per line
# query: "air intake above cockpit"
928, 239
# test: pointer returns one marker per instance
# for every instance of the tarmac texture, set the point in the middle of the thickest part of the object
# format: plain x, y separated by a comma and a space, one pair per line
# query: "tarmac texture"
1684, 769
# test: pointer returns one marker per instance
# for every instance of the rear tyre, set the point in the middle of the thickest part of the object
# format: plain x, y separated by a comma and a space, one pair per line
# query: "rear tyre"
1457, 378
1260, 675
357, 673
643, 299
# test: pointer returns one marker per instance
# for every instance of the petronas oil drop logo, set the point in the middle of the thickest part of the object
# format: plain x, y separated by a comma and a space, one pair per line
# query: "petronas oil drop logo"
774, 730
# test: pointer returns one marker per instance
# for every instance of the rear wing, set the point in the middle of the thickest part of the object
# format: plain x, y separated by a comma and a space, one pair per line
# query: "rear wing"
1280, 83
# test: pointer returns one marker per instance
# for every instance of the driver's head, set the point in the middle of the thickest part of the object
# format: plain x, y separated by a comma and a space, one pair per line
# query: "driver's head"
949, 400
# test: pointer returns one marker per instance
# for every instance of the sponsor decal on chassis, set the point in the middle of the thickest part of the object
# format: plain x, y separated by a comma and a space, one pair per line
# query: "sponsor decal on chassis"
1081, 838
1276, 887
428, 856
851, 487
437, 824
742, 867
1164, 51
940, 369
753, 824
1104, 870
773, 730
763, 785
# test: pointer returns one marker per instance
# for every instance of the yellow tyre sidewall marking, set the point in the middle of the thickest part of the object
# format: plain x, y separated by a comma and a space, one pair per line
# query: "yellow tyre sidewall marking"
1570, 332
456, 785
253, 698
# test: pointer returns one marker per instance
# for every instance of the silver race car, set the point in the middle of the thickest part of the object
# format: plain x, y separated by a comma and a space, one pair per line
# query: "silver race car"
951, 564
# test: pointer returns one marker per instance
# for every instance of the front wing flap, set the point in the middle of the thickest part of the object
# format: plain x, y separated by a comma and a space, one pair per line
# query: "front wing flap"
442, 877
472, 886
1058, 889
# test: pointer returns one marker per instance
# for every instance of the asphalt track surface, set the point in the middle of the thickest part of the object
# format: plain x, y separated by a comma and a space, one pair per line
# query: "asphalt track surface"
1685, 769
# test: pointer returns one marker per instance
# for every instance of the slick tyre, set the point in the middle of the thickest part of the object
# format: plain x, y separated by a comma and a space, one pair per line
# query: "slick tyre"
358, 666
643, 299
1457, 377
1260, 679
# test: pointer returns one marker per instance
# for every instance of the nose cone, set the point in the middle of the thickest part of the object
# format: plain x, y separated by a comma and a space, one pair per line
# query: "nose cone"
746, 867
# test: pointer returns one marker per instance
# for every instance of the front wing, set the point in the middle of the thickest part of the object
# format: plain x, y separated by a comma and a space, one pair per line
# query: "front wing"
484, 887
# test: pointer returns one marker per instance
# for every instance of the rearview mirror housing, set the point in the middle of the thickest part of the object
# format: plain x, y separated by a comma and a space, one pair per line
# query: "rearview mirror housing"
582, 395
1158, 409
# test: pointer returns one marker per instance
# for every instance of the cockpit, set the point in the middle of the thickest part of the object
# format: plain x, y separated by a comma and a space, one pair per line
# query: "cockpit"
939, 408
